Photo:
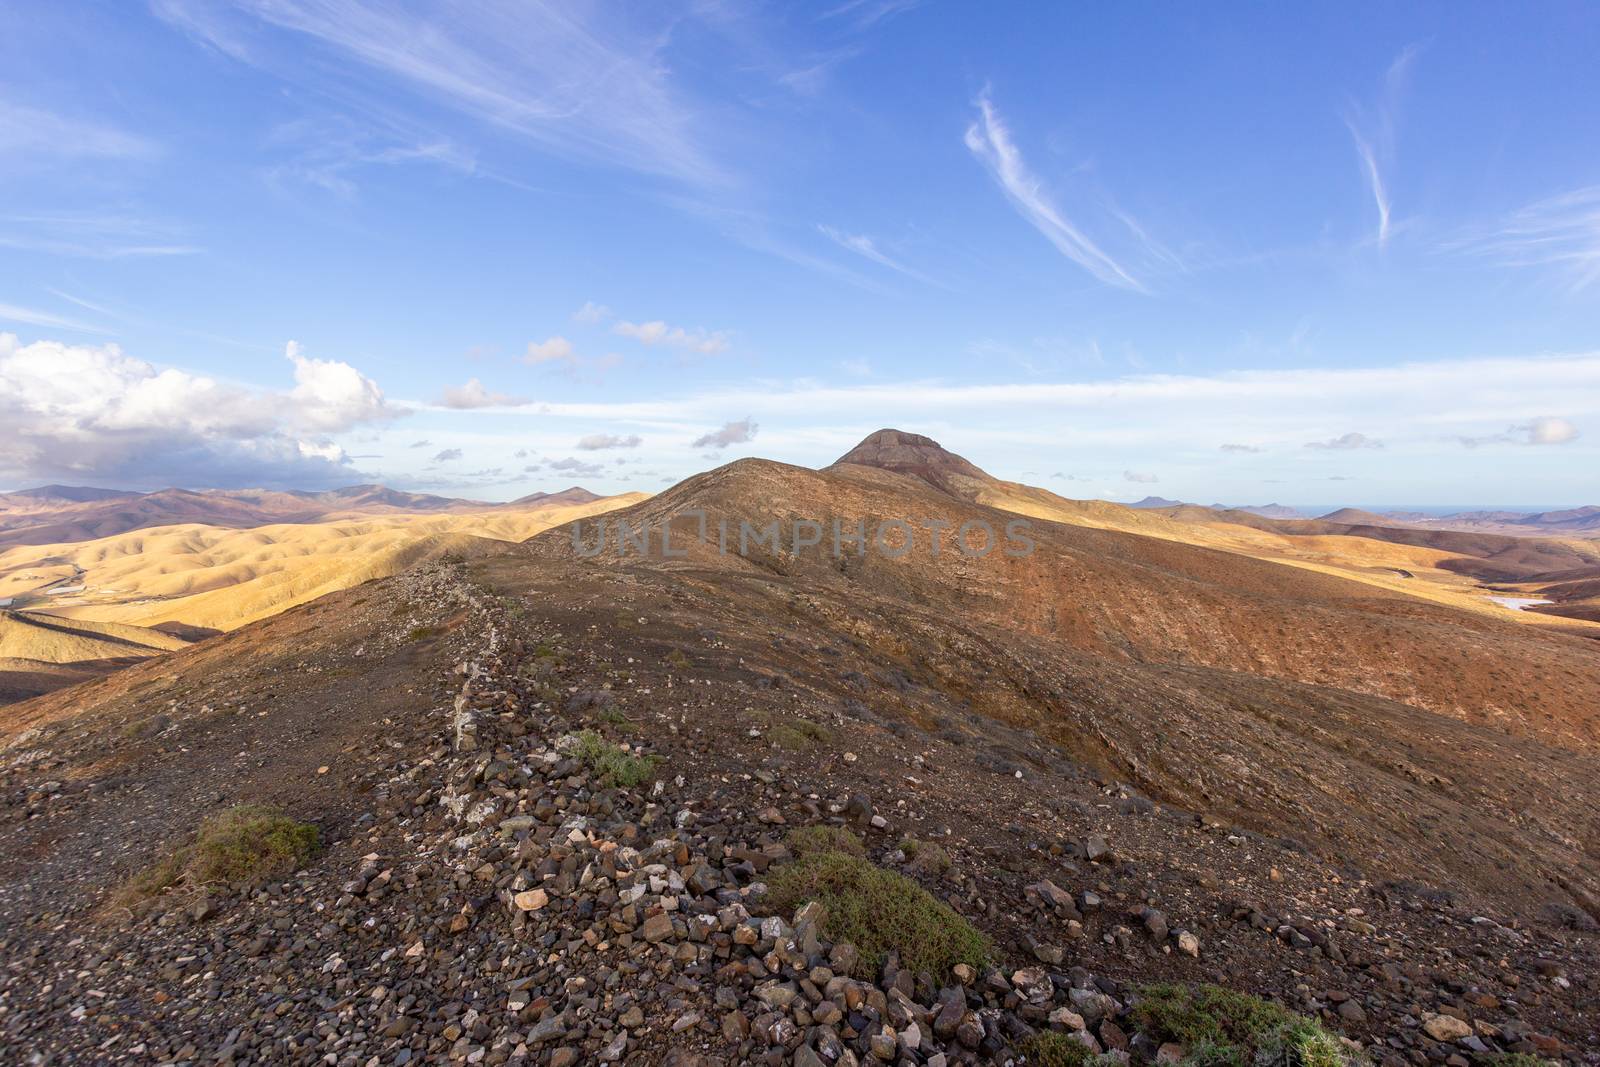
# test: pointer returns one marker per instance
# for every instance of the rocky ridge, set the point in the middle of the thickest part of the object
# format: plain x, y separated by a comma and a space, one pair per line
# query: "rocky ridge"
497, 902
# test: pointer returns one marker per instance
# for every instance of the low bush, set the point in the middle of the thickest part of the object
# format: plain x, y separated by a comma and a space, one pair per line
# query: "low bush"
879, 912
1222, 1028
804, 840
241, 846
1050, 1049
615, 766
925, 856
799, 734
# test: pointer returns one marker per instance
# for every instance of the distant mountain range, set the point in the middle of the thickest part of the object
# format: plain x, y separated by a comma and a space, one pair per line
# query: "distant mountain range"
1570, 522
54, 514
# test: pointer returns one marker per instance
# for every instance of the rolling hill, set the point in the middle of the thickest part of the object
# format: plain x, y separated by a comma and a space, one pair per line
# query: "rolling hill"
1120, 758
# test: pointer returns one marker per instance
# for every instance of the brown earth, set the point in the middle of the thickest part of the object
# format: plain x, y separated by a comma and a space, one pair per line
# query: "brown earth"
1273, 753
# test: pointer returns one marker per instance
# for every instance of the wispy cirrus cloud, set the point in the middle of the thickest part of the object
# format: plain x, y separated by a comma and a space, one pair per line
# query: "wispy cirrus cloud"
93, 236
867, 248
864, 14
1560, 232
34, 317
989, 139
560, 76
29, 133
1373, 131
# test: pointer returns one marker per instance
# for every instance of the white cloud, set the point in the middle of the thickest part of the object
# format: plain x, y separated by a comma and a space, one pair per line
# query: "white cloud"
1549, 431
577, 466
474, 395
552, 350
989, 139
596, 441
330, 396
93, 413
591, 313
1545, 430
1137, 476
447, 455
732, 433
1346, 442
1242, 448
660, 333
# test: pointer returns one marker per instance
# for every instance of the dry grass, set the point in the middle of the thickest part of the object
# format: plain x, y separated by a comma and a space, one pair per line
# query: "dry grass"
241, 846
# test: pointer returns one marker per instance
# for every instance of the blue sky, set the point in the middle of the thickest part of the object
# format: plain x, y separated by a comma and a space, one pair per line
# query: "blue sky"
1349, 253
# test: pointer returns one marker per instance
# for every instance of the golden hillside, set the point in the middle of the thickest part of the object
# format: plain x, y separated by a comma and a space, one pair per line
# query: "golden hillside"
1416, 570
219, 579
26, 635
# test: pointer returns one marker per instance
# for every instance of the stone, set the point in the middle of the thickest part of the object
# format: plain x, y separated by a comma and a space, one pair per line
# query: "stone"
531, 899
657, 928
1445, 1027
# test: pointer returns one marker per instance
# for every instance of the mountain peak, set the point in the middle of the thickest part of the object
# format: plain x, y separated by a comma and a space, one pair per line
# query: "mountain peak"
913, 454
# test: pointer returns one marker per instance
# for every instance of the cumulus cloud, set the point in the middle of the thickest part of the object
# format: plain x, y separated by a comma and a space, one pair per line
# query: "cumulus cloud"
447, 455
331, 396
658, 332
93, 413
576, 466
1242, 448
552, 350
1548, 431
597, 441
732, 433
1346, 442
1137, 476
474, 395
591, 313
1545, 430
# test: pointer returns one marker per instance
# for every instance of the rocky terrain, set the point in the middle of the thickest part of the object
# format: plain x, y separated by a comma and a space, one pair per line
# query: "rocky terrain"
558, 798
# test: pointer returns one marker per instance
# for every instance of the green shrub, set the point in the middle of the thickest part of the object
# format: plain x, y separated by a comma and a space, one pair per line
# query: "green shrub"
615, 766
878, 911
1050, 1049
925, 856
241, 846
804, 840
1222, 1028
799, 734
